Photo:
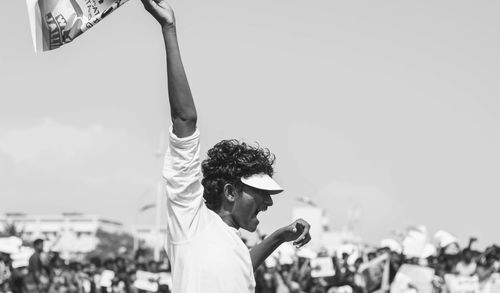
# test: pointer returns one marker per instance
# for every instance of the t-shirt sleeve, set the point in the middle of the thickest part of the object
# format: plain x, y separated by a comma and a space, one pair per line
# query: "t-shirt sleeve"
182, 172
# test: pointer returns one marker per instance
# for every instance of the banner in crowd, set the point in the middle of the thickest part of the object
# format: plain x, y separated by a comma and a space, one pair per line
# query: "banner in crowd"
491, 285
10, 245
342, 289
322, 267
376, 273
107, 277
57, 22
444, 238
19, 254
411, 278
165, 279
461, 284
415, 241
148, 281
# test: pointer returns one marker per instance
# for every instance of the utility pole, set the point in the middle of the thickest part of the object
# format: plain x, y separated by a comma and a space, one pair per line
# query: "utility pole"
159, 193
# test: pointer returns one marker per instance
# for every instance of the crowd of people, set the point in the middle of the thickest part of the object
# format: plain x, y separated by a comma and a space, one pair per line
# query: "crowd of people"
352, 276
48, 272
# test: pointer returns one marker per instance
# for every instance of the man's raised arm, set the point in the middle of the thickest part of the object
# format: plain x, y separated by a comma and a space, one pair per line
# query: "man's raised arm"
182, 108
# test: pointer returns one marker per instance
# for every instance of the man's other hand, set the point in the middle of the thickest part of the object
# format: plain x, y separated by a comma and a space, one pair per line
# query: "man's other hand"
298, 232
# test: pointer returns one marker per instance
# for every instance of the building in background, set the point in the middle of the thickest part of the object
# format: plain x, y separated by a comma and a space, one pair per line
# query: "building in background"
75, 233
147, 235
48, 226
76, 226
71, 234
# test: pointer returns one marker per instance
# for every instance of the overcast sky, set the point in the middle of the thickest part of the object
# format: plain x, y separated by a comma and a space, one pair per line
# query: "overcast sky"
390, 107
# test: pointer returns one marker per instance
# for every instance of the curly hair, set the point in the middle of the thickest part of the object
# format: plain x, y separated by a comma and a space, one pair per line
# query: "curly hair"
227, 162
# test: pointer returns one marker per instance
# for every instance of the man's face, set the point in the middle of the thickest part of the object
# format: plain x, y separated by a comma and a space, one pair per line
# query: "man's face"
120, 263
468, 256
92, 268
39, 247
247, 205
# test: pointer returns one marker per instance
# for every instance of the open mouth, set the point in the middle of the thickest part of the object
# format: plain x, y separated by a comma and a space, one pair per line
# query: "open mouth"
260, 210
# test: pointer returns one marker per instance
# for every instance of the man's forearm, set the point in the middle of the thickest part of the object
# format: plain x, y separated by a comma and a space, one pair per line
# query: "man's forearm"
261, 251
182, 108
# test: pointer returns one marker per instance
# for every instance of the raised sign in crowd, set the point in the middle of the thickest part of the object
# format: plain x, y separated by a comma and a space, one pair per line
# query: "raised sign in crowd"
405, 266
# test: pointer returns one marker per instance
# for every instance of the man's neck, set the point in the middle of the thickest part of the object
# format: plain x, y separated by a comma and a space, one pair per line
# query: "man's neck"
228, 219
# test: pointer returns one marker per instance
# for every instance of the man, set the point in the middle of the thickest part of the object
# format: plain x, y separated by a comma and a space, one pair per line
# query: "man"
467, 265
5, 265
36, 280
206, 211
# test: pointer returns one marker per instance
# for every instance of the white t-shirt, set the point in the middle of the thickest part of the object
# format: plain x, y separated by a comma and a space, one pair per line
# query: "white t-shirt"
464, 269
206, 254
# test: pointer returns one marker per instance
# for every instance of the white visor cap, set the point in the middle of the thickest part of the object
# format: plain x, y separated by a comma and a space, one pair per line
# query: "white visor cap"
262, 181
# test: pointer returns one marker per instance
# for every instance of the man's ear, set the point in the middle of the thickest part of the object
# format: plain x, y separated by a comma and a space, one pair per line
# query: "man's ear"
230, 192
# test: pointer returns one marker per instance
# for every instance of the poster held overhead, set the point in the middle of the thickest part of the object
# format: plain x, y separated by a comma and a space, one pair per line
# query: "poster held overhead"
418, 278
57, 22
322, 267
461, 284
146, 281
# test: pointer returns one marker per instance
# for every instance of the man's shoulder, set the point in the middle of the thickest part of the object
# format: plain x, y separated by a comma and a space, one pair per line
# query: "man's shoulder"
34, 256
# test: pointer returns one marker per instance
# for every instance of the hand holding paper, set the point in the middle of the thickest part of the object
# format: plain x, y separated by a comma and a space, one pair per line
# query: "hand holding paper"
161, 11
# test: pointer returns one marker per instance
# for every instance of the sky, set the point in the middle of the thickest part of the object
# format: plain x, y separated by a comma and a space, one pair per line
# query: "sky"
390, 108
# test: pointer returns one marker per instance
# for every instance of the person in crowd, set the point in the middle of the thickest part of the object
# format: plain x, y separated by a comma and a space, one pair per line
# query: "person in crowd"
121, 276
266, 280
487, 264
58, 276
5, 272
4, 267
109, 264
395, 262
130, 284
209, 201
359, 282
467, 265
18, 276
37, 279
153, 266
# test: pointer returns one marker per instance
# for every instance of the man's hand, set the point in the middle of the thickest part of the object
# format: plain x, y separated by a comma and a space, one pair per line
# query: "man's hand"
161, 11
298, 232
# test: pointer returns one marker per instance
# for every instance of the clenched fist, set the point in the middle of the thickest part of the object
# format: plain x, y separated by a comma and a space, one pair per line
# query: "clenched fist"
298, 232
